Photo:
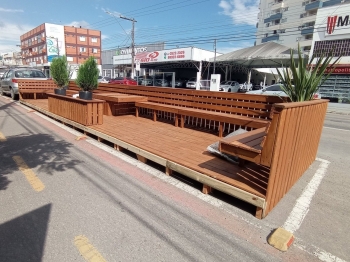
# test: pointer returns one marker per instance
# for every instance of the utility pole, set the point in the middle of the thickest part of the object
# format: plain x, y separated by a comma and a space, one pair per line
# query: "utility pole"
214, 55
132, 43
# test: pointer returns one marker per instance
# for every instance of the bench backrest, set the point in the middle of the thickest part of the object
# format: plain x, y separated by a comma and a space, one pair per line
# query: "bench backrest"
291, 144
27, 88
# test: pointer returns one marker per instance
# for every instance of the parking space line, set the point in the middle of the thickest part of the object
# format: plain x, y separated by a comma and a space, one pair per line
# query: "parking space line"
33, 180
87, 250
2, 137
301, 207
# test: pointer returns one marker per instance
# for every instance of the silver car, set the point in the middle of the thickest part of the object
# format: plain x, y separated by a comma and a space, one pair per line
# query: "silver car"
9, 81
229, 86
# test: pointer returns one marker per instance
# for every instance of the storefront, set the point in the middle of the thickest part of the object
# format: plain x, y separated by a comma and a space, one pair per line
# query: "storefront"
332, 34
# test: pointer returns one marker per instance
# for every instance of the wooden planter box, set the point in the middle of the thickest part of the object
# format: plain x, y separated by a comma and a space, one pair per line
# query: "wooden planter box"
85, 112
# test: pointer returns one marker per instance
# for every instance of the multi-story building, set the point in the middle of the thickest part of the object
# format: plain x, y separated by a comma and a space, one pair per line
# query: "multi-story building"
11, 59
289, 22
41, 44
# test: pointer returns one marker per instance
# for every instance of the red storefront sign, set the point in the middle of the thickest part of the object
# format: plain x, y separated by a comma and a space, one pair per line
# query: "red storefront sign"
339, 70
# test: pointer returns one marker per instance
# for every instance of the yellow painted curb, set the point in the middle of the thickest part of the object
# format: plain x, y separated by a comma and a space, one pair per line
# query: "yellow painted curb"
87, 250
281, 239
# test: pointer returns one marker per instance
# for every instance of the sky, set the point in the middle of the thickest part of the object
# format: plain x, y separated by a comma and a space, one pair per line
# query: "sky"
178, 23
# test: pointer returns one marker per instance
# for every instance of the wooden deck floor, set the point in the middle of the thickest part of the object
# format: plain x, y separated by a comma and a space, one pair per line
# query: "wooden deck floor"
184, 146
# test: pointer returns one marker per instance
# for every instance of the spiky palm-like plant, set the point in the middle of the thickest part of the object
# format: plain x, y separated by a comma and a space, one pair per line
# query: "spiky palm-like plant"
87, 78
303, 81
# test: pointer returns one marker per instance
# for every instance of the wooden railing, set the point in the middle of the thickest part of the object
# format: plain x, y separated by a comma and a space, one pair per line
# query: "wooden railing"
33, 89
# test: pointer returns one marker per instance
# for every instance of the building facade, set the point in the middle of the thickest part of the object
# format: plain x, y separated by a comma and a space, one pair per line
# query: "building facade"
47, 41
332, 35
289, 22
117, 62
11, 59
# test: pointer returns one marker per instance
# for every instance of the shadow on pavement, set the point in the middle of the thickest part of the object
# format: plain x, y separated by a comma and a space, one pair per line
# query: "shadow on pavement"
23, 238
38, 150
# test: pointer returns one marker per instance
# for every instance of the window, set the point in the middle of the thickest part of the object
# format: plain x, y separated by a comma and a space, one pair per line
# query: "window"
94, 39
81, 49
94, 50
82, 38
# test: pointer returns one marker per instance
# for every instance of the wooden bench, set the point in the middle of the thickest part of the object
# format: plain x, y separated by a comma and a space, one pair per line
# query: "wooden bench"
29, 89
220, 111
255, 146
181, 112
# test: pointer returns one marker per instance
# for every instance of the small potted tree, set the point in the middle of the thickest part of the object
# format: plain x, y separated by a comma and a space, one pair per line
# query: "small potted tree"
60, 72
87, 78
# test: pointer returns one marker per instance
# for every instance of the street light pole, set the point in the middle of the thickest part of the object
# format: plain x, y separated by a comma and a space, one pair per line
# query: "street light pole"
132, 43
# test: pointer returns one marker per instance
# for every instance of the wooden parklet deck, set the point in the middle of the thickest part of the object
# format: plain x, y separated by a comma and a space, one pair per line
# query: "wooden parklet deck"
179, 149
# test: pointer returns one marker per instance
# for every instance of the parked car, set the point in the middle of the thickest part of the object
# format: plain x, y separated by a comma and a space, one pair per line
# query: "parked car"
147, 82
180, 83
104, 79
123, 81
191, 83
161, 82
9, 81
275, 90
229, 86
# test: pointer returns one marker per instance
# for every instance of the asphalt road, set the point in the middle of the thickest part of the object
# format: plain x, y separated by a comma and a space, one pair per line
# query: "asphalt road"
74, 201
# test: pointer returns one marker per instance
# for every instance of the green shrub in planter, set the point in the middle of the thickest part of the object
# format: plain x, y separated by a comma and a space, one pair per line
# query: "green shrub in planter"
60, 71
303, 81
87, 78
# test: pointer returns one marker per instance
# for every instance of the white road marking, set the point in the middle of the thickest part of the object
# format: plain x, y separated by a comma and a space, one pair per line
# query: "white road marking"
336, 128
309, 248
301, 208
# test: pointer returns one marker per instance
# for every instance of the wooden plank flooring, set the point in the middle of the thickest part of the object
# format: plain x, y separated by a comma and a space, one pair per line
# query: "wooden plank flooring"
183, 146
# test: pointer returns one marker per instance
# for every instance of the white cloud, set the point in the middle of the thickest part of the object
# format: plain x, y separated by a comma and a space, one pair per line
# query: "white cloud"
241, 11
104, 36
10, 35
11, 10
82, 23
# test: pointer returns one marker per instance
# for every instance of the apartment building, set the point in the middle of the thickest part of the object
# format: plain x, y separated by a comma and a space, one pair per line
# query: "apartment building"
47, 41
289, 22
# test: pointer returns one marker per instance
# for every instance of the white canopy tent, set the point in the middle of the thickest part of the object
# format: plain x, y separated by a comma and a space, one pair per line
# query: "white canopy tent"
268, 55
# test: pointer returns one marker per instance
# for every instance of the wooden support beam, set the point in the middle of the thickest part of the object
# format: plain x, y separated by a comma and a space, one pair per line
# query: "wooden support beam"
137, 112
206, 189
168, 171
117, 147
259, 213
154, 115
176, 120
182, 121
141, 158
99, 139
221, 129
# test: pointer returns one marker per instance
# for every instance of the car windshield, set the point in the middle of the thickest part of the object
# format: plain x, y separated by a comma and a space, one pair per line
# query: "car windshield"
29, 74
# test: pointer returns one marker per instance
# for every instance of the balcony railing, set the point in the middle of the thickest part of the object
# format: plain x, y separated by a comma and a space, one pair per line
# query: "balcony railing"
313, 5
307, 31
270, 38
273, 17
331, 2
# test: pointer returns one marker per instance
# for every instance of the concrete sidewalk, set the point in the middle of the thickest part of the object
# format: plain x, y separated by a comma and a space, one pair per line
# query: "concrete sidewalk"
339, 108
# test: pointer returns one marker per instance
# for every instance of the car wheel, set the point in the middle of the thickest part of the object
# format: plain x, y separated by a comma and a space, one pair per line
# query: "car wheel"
13, 95
229, 90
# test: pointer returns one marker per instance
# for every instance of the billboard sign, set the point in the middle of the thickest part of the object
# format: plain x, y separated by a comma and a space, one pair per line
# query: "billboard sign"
55, 42
172, 55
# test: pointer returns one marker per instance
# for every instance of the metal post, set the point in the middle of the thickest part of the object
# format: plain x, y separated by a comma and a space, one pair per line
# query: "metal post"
214, 56
132, 43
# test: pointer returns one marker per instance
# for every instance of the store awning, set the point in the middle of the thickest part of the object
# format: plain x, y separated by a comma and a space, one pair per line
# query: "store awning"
267, 55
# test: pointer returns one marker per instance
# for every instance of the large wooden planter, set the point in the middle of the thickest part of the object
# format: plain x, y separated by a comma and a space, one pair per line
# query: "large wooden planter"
85, 112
